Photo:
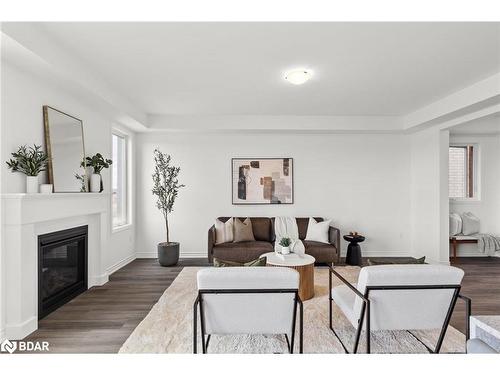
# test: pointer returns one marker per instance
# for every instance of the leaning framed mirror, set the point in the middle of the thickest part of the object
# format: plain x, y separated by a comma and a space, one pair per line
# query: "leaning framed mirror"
66, 150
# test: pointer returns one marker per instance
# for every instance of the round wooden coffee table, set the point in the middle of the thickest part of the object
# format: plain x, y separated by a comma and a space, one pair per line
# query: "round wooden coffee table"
304, 264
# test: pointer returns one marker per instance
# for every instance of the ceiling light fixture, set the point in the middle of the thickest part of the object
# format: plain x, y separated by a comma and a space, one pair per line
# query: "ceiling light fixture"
298, 76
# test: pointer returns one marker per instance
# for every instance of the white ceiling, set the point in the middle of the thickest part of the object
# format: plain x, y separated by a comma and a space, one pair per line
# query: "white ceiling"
486, 125
359, 69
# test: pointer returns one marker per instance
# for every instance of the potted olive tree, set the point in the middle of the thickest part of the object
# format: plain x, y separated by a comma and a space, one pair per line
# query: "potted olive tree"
166, 188
30, 161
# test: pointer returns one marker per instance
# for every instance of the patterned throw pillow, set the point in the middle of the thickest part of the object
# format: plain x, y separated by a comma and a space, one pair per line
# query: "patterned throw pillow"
260, 262
223, 231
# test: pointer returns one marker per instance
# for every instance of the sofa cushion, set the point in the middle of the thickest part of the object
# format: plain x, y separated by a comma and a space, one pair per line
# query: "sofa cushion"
259, 262
224, 231
302, 223
322, 252
243, 230
372, 262
261, 228
242, 251
317, 231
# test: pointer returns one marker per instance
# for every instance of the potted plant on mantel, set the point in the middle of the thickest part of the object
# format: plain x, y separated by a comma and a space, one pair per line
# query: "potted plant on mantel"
166, 188
30, 161
98, 163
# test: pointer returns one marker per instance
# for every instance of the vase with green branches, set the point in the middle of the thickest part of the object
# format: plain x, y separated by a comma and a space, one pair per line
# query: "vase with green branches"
30, 161
97, 162
166, 188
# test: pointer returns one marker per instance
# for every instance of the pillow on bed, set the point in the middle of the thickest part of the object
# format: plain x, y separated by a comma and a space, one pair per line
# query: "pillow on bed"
470, 224
455, 224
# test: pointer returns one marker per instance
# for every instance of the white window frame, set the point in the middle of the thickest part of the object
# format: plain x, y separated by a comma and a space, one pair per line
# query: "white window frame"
476, 170
128, 160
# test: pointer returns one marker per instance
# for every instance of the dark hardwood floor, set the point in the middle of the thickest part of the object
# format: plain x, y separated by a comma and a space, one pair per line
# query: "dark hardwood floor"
101, 319
481, 284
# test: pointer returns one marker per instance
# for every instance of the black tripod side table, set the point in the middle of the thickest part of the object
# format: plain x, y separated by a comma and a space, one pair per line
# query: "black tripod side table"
353, 257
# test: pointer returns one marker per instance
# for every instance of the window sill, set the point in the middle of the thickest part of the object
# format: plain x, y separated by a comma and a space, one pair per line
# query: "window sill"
465, 200
121, 228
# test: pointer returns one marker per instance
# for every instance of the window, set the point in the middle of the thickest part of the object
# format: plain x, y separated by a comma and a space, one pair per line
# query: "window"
462, 171
119, 199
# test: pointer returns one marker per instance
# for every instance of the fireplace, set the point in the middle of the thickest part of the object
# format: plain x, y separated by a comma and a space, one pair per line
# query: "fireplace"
62, 268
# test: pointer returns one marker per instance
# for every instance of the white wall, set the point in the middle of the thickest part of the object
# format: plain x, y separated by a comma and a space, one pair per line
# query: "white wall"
23, 95
429, 192
487, 207
360, 181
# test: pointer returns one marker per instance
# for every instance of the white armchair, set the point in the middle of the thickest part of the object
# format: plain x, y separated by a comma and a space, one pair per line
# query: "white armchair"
399, 297
247, 300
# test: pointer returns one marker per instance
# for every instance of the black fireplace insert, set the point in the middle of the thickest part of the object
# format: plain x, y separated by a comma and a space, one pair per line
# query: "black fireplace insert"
62, 268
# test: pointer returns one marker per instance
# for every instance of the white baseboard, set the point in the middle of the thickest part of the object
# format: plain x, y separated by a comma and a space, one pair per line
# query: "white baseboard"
366, 254
385, 254
2, 334
194, 255
149, 255
146, 254
98, 280
21, 330
122, 263
464, 254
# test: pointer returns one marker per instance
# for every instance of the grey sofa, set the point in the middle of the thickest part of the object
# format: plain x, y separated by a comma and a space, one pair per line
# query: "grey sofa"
263, 230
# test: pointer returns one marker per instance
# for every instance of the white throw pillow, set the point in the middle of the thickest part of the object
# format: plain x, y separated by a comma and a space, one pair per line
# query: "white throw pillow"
455, 224
224, 231
470, 224
318, 231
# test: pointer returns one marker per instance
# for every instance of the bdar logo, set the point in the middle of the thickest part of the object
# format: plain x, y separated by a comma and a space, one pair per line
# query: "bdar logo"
8, 346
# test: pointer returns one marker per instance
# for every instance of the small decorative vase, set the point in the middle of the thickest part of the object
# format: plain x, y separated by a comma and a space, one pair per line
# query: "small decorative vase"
95, 183
31, 184
285, 250
46, 188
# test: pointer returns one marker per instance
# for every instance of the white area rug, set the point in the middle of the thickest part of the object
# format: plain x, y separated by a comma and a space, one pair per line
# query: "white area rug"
168, 328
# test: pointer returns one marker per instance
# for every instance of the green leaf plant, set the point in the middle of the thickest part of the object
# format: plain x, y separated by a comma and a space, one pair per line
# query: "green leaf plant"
28, 160
166, 185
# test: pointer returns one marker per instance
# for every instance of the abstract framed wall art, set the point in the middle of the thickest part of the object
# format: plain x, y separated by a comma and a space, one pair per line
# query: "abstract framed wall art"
262, 180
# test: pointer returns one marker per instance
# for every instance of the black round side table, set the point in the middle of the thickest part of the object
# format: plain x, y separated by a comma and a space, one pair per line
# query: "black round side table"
353, 257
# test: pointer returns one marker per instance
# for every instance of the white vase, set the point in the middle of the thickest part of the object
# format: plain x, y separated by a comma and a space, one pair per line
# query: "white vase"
31, 184
95, 183
285, 250
46, 189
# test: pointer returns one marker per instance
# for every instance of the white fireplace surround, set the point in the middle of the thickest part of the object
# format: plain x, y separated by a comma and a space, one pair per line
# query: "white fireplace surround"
24, 218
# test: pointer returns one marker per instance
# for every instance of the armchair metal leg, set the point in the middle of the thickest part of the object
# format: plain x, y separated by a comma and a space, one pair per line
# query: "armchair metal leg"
301, 327
330, 309
468, 311
294, 318
367, 328
195, 326
288, 344
330, 305
202, 323
359, 329
208, 340
447, 320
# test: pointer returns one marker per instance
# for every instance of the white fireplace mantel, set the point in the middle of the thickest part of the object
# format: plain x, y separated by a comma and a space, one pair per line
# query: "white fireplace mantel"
24, 218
